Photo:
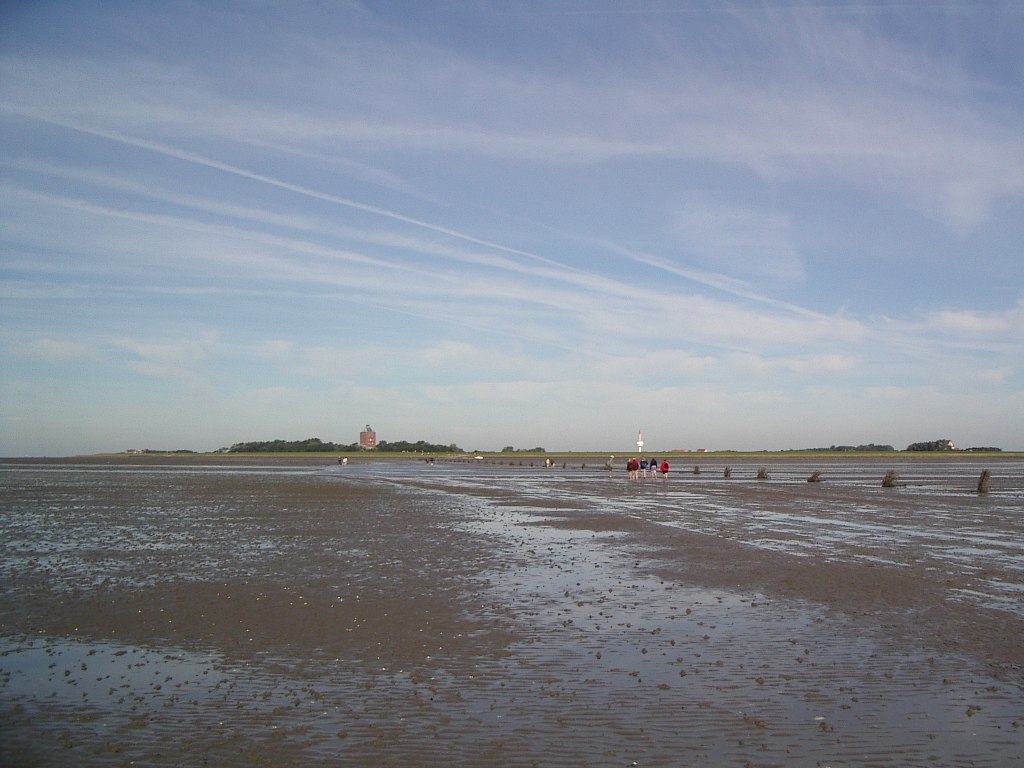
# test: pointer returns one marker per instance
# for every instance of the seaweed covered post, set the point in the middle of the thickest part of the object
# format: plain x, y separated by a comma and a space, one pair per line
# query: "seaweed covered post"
727, 473
889, 481
815, 477
762, 474
983, 481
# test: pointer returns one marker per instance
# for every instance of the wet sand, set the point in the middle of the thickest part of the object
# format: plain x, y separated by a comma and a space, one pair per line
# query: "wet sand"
240, 618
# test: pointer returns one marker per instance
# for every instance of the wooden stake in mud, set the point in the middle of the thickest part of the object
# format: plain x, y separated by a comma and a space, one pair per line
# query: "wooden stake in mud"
762, 474
727, 473
983, 481
889, 481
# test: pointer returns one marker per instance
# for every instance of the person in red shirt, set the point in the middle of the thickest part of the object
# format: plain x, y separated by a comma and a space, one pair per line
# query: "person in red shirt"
664, 469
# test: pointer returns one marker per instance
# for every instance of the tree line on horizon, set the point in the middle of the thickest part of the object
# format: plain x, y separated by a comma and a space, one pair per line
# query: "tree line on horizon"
868, 448
947, 445
316, 445
928, 445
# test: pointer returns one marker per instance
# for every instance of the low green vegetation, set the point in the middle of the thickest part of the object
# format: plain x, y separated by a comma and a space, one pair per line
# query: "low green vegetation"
946, 445
312, 445
162, 453
316, 445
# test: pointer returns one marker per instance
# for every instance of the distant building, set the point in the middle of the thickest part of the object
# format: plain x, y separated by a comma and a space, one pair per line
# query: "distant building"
368, 439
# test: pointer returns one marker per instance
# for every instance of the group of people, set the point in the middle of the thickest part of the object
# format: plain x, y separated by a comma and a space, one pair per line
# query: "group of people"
639, 468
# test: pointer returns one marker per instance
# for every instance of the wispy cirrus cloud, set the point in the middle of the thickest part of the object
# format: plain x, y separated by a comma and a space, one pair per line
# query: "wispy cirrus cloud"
747, 241
726, 206
1005, 324
598, 302
174, 359
867, 110
53, 350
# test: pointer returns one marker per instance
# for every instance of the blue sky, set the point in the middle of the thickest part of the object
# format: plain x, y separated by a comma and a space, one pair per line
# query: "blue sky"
732, 225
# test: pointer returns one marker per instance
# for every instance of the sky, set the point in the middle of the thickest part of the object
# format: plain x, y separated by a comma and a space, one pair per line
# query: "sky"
731, 225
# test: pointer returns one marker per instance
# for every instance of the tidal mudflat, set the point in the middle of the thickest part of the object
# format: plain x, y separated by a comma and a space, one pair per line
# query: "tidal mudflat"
267, 612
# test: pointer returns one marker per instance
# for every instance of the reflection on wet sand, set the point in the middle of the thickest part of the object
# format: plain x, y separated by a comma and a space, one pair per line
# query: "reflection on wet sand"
283, 614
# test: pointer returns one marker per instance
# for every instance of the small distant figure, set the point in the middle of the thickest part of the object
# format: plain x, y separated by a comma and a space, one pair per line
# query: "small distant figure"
664, 470
633, 469
654, 468
643, 467
549, 463
608, 465
343, 461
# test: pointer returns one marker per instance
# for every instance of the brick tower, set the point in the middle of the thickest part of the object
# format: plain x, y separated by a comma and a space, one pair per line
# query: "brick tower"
368, 439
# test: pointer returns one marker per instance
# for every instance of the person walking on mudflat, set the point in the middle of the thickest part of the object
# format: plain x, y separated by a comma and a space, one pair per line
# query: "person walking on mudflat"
664, 470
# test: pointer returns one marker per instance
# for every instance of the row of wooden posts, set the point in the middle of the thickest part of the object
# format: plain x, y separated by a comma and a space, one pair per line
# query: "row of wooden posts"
891, 479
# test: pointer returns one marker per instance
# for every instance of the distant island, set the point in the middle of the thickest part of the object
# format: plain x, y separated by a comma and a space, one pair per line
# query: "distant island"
316, 445
929, 445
